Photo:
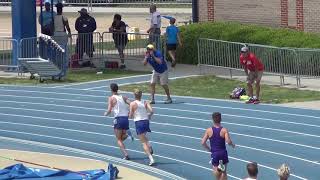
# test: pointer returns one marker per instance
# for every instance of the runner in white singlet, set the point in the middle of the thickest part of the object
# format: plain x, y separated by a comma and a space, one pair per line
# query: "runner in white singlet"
119, 106
141, 112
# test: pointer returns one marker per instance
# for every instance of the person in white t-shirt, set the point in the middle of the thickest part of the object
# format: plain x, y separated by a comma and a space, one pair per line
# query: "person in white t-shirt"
252, 169
155, 27
141, 112
119, 105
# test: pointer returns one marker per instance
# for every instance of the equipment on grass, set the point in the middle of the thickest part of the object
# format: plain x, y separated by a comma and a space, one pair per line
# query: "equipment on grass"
244, 98
237, 92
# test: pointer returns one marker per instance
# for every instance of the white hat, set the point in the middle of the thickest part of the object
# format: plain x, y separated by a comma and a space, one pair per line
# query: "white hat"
244, 49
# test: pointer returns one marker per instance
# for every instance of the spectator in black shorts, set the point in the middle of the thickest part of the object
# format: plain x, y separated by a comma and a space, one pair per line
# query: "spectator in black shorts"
172, 40
85, 25
120, 37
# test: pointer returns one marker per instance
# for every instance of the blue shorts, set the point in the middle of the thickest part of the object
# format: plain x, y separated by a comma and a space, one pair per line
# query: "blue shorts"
219, 155
142, 126
121, 122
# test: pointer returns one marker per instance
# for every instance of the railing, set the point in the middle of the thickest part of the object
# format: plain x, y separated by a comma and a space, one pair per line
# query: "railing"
7, 54
108, 46
133, 44
91, 3
46, 49
298, 63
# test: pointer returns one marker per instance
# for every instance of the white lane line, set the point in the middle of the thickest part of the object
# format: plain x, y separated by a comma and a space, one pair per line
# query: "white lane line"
96, 155
180, 126
156, 132
226, 107
186, 97
109, 146
170, 145
104, 103
140, 82
254, 110
104, 80
170, 109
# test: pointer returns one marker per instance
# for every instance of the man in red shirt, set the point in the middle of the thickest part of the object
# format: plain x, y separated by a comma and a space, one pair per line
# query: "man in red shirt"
253, 68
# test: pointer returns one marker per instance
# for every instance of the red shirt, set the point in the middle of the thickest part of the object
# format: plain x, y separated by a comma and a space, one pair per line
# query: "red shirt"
251, 62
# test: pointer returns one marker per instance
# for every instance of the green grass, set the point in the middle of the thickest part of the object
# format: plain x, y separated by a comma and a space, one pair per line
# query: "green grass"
75, 77
214, 87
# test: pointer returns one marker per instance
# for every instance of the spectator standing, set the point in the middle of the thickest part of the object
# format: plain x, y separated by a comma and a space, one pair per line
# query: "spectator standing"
85, 25
120, 37
154, 31
159, 73
47, 27
61, 25
46, 20
253, 68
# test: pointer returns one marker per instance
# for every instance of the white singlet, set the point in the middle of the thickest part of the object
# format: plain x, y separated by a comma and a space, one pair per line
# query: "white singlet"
120, 108
141, 112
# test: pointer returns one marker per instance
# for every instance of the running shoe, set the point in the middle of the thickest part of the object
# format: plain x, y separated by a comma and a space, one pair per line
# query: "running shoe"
152, 101
126, 158
250, 101
256, 101
221, 166
151, 163
168, 101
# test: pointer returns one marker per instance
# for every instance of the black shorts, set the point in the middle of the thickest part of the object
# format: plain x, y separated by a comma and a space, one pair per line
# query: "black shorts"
171, 47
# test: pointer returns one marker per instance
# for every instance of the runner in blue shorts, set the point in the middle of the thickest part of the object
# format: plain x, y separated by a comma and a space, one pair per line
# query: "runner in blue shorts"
218, 136
119, 105
141, 112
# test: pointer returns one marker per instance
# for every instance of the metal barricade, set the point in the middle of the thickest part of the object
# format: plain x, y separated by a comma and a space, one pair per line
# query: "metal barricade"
278, 61
297, 63
85, 47
132, 45
9, 52
218, 53
308, 65
40, 48
29, 48
125, 2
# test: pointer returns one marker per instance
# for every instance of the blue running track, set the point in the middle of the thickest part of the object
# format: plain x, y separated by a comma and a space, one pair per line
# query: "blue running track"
72, 116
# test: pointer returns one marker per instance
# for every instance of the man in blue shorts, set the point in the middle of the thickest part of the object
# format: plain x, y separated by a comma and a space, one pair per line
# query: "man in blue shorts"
173, 38
218, 137
159, 73
119, 105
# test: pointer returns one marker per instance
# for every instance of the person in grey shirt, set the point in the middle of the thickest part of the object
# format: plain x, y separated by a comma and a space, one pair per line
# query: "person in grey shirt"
154, 31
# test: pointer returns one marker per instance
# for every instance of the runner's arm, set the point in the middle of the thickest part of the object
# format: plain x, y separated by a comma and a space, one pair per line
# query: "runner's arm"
149, 109
126, 100
110, 106
204, 141
228, 139
132, 109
